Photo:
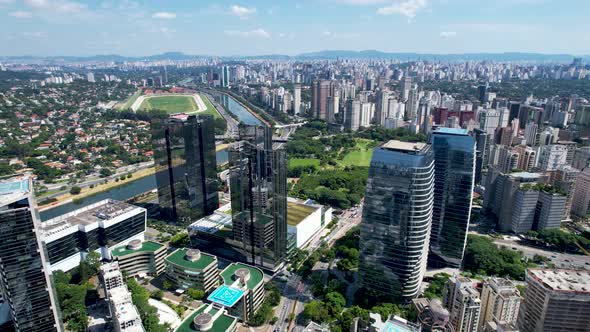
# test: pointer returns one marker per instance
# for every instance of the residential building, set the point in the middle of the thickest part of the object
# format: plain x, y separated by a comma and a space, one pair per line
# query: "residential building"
296, 98
489, 120
352, 115
258, 186
463, 302
320, 91
186, 167
565, 178
556, 300
397, 216
96, 227
454, 172
27, 299
139, 258
581, 197
552, 156
124, 314
242, 290
500, 302
192, 268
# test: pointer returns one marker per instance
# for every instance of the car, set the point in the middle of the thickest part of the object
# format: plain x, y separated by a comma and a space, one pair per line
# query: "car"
567, 260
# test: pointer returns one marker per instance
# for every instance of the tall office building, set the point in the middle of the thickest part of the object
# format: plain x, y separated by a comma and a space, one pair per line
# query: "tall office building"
186, 167
320, 91
352, 115
481, 152
224, 76
454, 173
581, 197
397, 215
556, 300
27, 300
481, 91
406, 87
258, 185
500, 302
296, 98
382, 107
463, 302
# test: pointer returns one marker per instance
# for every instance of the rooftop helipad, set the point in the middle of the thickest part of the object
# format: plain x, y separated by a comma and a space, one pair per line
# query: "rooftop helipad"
226, 296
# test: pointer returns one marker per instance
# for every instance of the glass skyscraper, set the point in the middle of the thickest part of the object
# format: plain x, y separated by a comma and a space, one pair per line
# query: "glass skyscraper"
258, 185
186, 167
454, 172
25, 288
395, 227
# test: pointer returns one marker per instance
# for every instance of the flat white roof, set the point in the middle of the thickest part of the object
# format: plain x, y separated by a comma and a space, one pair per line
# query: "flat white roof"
563, 280
403, 146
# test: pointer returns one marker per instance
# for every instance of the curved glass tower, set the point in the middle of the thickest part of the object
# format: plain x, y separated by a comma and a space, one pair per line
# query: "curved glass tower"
395, 229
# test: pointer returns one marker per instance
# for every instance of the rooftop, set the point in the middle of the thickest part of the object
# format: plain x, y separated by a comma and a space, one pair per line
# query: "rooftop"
145, 247
396, 145
297, 212
222, 322
104, 210
451, 131
562, 280
179, 257
228, 274
213, 223
13, 188
226, 296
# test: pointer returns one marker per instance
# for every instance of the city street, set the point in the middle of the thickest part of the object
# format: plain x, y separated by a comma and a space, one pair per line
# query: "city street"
561, 260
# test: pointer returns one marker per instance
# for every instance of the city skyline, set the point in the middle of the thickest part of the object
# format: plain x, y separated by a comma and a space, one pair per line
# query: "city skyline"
35, 27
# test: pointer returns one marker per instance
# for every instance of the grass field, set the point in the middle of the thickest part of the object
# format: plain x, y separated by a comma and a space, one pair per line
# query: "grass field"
130, 101
170, 104
296, 162
360, 156
178, 104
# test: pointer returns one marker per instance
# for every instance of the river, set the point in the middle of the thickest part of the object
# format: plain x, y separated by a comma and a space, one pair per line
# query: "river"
148, 183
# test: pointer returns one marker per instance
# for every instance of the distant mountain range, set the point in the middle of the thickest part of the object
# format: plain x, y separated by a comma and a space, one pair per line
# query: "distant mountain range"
322, 55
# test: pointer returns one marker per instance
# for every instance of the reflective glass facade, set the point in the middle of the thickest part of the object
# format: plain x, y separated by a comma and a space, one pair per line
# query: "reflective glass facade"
454, 172
258, 181
395, 227
24, 282
186, 167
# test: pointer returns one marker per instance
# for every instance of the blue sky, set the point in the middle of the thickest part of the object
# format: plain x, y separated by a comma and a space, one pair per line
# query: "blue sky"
79, 27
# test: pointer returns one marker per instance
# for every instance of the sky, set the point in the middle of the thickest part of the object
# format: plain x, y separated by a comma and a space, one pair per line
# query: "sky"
243, 27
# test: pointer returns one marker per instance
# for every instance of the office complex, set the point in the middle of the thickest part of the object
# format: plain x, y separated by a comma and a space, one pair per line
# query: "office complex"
258, 185
352, 115
191, 268
500, 302
96, 227
209, 318
241, 291
397, 215
556, 300
27, 300
186, 167
463, 302
320, 91
454, 171
138, 259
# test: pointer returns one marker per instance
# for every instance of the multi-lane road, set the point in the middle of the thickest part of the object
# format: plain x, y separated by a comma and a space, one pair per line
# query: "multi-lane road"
561, 260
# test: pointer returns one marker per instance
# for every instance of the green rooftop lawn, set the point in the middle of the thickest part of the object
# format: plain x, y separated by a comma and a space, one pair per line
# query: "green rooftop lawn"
178, 257
145, 246
221, 324
255, 274
297, 212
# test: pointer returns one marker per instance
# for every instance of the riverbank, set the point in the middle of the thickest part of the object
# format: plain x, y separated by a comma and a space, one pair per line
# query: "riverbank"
87, 191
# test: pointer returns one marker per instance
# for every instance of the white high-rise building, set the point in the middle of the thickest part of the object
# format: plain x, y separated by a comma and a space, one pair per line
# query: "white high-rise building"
463, 302
552, 156
296, 98
90, 77
489, 120
500, 301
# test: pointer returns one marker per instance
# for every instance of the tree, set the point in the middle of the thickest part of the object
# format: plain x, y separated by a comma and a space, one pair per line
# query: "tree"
315, 311
180, 240
334, 303
158, 295
195, 294
167, 284
93, 260
75, 190
436, 285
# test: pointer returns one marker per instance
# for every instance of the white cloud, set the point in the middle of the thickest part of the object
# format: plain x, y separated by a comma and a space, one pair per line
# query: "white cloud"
164, 15
261, 33
56, 6
362, 2
407, 8
240, 11
340, 35
447, 34
21, 14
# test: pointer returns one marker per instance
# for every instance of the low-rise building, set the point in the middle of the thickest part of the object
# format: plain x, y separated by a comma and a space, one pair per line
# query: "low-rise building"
209, 318
192, 268
304, 220
96, 227
242, 291
141, 258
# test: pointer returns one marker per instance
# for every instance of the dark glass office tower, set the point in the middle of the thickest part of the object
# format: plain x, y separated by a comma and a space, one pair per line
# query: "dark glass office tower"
454, 170
258, 185
397, 213
25, 285
186, 167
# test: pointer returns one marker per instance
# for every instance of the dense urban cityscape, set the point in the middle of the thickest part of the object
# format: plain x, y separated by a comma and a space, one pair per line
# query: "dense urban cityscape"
362, 191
